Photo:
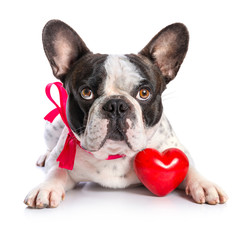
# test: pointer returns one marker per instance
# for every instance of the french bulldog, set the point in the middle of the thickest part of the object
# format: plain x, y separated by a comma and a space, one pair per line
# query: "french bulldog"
114, 107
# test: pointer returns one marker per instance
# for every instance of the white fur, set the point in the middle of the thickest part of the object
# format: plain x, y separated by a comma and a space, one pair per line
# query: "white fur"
122, 75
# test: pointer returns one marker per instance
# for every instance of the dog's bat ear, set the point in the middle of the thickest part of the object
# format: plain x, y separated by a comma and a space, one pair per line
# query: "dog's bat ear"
168, 49
63, 47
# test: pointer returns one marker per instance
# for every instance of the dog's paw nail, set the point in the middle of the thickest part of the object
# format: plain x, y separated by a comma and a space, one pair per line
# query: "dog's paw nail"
54, 203
28, 201
25, 201
41, 205
201, 200
213, 202
223, 200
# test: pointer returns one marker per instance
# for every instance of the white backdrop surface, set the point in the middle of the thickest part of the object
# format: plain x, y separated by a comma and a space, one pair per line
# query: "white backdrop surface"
202, 104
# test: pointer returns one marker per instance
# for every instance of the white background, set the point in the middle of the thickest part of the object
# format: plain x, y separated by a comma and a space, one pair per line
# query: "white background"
202, 104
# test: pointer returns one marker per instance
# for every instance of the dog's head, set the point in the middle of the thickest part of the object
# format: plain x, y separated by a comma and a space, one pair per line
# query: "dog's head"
114, 101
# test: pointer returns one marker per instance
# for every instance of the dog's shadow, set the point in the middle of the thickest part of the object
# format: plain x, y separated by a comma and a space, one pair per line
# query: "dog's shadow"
134, 189
94, 187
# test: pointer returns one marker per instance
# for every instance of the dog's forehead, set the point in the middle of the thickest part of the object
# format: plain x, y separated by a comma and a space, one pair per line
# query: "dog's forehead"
121, 75
113, 74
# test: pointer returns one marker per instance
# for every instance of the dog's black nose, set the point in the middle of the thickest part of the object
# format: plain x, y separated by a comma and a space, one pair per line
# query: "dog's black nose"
116, 108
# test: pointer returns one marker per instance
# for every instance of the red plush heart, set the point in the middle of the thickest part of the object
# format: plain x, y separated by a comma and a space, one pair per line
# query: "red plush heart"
161, 173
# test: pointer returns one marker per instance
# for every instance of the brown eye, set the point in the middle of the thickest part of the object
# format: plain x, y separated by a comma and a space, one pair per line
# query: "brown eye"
143, 94
87, 94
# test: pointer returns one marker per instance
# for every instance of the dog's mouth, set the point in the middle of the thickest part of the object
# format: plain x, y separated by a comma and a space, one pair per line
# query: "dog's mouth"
117, 131
117, 135
113, 146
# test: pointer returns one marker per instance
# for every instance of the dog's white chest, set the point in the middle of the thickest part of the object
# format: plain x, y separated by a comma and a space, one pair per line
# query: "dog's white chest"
118, 173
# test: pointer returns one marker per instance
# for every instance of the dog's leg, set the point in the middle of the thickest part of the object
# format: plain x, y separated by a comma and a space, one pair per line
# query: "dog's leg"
52, 134
202, 190
52, 191
199, 188
196, 186
42, 158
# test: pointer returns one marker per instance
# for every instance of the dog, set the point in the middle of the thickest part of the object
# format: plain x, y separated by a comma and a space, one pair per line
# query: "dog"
114, 107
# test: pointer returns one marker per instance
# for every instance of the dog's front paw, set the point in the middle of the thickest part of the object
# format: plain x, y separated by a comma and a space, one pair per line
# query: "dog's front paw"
42, 159
45, 195
203, 191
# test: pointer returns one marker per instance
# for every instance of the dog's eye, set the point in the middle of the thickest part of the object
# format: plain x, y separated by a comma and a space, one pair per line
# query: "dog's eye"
87, 94
143, 94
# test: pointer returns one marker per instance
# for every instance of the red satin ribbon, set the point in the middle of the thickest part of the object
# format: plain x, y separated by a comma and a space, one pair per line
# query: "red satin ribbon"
67, 156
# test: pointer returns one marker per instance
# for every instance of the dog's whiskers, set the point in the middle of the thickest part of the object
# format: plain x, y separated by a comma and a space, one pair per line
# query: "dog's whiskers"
80, 128
168, 95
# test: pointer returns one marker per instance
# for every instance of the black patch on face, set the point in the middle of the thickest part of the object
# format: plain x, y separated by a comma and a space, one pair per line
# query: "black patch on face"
152, 109
88, 72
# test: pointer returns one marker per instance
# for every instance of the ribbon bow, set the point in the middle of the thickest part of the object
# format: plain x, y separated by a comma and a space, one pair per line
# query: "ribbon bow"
67, 156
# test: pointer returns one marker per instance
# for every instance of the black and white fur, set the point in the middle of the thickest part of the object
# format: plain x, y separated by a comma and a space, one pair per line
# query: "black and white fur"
115, 120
